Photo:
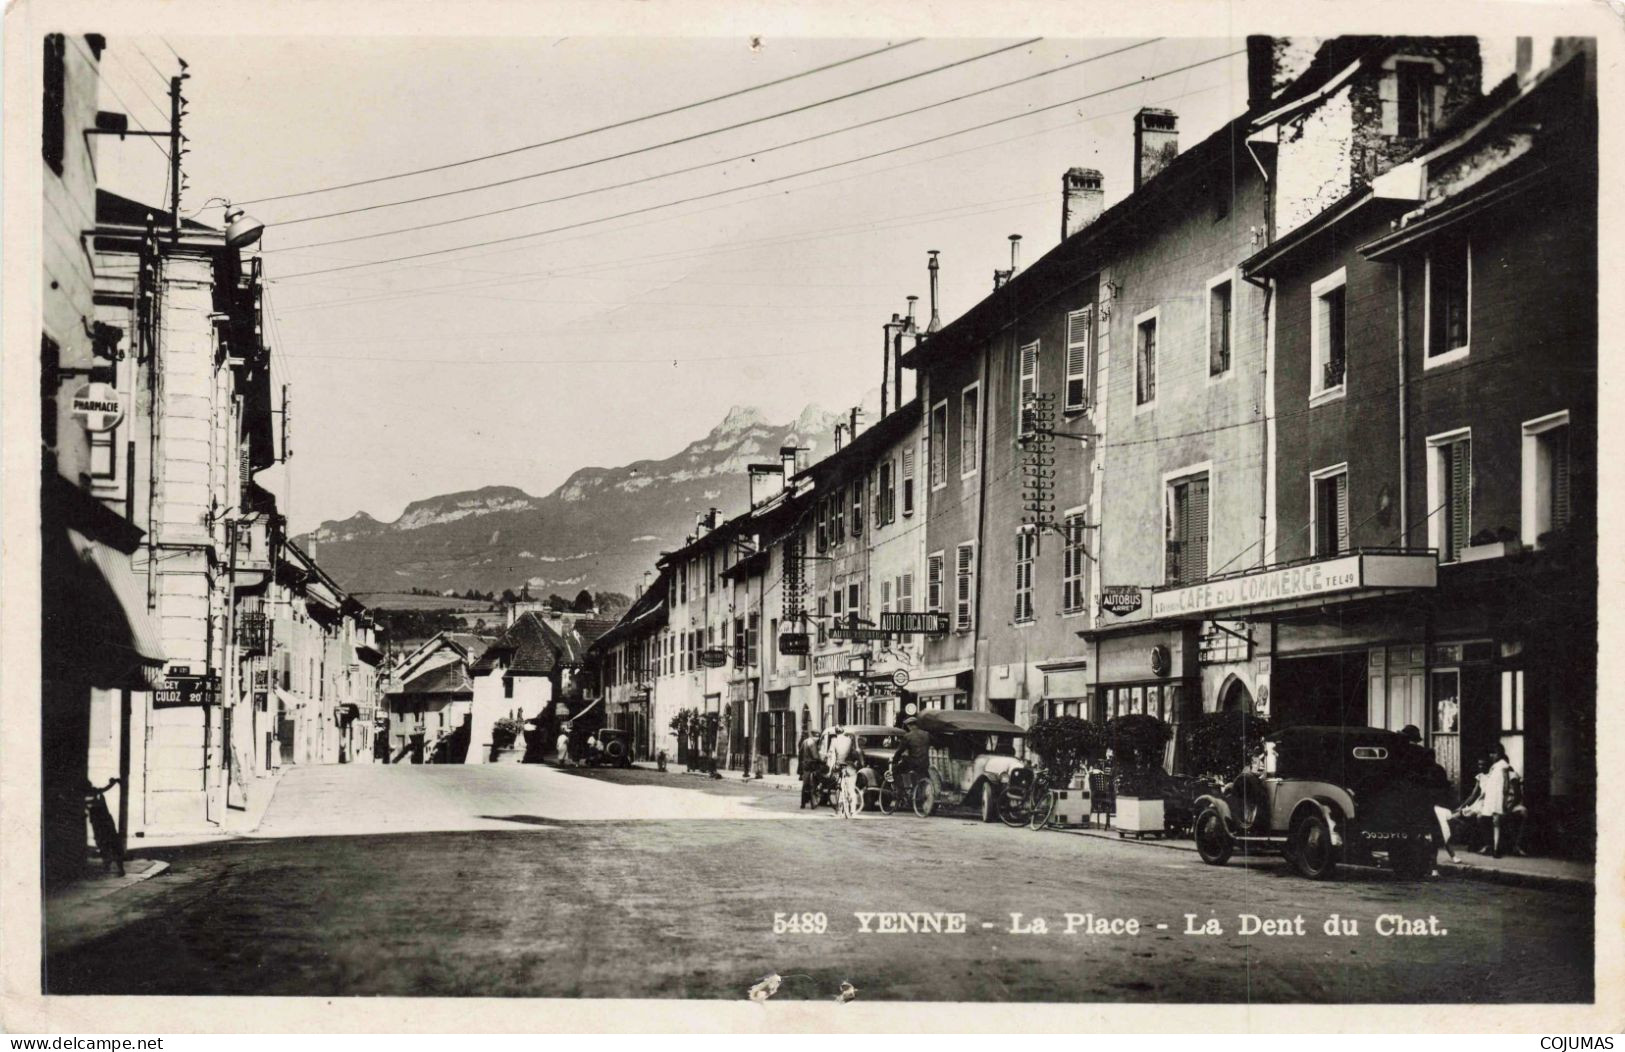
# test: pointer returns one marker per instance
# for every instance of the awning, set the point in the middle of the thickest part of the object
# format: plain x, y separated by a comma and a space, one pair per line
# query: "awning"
1340, 578
369, 655
955, 682
95, 619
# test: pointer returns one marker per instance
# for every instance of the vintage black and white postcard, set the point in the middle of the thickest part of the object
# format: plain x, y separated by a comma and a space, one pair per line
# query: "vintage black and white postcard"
856, 508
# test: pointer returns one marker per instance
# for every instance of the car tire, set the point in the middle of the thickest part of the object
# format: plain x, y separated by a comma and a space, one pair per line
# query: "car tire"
990, 802
863, 796
1213, 841
1310, 848
1413, 859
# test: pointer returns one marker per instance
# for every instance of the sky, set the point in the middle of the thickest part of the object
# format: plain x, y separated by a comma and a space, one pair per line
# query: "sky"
518, 362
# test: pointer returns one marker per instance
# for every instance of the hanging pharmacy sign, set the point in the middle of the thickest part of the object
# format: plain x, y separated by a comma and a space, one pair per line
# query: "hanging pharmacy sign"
98, 406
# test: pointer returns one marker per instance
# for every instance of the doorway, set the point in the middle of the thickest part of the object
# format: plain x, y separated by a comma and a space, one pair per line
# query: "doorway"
1322, 690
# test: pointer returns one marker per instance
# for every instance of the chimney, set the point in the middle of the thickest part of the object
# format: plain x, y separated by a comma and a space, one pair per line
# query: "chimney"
852, 433
711, 519
840, 429
1083, 198
1156, 143
1524, 58
936, 320
886, 330
1260, 72
912, 300
1015, 254
788, 458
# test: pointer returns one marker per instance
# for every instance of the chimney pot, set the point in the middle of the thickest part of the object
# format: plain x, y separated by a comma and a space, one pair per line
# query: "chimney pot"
936, 321
1156, 143
1083, 199
1015, 254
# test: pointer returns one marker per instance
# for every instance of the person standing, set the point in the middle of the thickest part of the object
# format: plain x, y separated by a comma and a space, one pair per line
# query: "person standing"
563, 745
809, 762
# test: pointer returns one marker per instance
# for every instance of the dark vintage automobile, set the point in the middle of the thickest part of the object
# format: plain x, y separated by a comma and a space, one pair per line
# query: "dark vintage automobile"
1326, 795
614, 748
972, 757
875, 744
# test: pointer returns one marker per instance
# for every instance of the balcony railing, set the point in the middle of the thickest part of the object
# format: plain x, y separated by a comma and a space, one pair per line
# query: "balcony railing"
1331, 374
253, 633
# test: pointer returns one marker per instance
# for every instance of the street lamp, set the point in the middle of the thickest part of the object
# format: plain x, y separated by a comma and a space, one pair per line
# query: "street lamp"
242, 230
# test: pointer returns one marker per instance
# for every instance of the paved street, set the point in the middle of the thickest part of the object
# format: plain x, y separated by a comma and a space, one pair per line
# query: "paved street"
525, 881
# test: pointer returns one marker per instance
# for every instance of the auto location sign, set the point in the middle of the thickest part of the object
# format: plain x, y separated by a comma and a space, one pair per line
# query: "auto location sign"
1121, 599
914, 623
99, 406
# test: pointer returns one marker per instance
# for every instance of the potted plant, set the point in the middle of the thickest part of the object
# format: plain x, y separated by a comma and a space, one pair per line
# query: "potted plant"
1491, 544
1065, 745
504, 733
1137, 742
1220, 745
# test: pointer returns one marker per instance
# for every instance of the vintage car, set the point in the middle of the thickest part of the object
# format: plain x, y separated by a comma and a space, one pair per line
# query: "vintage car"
875, 746
1326, 795
972, 756
614, 748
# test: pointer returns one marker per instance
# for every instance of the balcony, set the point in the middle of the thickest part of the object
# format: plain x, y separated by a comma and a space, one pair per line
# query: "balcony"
253, 633
1331, 374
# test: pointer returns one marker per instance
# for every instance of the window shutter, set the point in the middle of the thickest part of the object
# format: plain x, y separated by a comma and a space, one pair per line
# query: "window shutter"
963, 586
885, 597
1027, 385
1560, 477
1461, 495
969, 422
1388, 98
1078, 326
1194, 530
1343, 512
933, 583
905, 593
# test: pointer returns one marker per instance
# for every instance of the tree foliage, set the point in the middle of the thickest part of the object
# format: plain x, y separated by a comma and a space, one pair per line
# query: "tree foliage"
1137, 740
1065, 743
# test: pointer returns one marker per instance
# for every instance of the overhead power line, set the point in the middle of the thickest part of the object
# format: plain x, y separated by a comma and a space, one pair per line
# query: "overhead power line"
589, 131
712, 164
656, 146
763, 182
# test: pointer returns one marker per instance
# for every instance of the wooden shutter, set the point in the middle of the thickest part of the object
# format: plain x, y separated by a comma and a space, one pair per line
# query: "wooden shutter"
1558, 439
1461, 495
1027, 385
969, 422
933, 583
1343, 512
885, 596
1079, 325
1196, 530
964, 585
905, 593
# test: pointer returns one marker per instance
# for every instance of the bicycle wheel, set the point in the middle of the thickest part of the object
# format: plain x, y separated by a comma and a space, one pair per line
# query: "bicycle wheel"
925, 797
1015, 808
1043, 812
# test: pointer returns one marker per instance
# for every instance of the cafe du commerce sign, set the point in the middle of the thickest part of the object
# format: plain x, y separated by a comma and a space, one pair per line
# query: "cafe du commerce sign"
1327, 577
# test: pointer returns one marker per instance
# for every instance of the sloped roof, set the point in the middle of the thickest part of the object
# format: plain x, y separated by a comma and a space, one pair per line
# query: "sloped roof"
647, 609
118, 210
530, 645
472, 645
450, 678
590, 629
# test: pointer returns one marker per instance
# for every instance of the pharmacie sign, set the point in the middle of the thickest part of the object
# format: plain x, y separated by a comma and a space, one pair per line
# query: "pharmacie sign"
98, 406
1339, 576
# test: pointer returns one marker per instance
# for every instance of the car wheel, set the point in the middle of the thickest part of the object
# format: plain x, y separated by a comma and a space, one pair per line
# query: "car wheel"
888, 802
990, 802
863, 797
1413, 859
1310, 848
1213, 840
1013, 810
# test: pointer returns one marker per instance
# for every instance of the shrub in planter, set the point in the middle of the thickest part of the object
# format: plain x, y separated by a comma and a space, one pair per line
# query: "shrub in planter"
1137, 742
505, 732
1220, 745
1065, 743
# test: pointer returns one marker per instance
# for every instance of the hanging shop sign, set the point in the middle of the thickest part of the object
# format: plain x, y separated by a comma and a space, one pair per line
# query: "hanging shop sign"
184, 690
713, 657
794, 644
915, 623
1121, 599
858, 634
98, 406
899, 677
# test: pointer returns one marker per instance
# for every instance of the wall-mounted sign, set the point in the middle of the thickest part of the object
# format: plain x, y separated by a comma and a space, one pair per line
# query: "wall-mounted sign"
858, 634
900, 677
181, 691
1121, 599
915, 623
713, 657
1159, 660
794, 644
98, 406
1342, 574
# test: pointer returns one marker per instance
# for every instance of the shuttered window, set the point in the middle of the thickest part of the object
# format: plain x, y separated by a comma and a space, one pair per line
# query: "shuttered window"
1145, 362
1557, 449
965, 587
1449, 274
885, 596
885, 496
753, 635
1079, 329
823, 620
970, 420
1072, 566
938, 446
1218, 329
1457, 474
933, 582
1186, 553
1027, 385
908, 482
905, 593
857, 505
54, 124
1026, 553
1331, 513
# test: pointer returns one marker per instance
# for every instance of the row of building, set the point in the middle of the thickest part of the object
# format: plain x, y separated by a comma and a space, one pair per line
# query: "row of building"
1305, 425
189, 648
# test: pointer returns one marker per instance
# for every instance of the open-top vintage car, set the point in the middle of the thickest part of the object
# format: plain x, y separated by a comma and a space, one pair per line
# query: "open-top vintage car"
972, 756
1326, 795
875, 744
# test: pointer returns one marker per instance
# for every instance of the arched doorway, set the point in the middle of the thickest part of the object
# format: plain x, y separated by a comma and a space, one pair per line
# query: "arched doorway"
1235, 697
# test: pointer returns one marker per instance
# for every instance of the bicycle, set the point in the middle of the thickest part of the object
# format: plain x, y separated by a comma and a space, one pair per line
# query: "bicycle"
919, 791
1028, 799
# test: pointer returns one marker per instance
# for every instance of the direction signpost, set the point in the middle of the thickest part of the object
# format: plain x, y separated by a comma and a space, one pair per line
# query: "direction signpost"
914, 623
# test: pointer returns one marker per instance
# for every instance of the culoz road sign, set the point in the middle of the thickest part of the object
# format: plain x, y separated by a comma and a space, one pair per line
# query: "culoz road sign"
923, 623
1121, 600
183, 690
713, 657
794, 644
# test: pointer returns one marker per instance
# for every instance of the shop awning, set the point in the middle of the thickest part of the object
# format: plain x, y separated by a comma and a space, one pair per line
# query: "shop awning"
940, 683
98, 629
1339, 579
370, 655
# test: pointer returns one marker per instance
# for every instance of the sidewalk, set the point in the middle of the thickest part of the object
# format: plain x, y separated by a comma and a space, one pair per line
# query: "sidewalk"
233, 824
1556, 873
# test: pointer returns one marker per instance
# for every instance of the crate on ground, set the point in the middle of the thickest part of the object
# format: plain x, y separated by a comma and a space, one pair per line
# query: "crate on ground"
1072, 807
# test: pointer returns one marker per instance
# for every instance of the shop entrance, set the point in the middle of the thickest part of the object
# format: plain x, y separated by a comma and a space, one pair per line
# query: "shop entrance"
1235, 697
1323, 690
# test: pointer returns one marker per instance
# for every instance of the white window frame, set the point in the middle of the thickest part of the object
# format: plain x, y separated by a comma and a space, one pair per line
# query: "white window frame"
907, 483
1083, 607
1168, 479
1153, 315
1455, 354
938, 479
1319, 353
1315, 478
1229, 277
1069, 407
1529, 503
1436, 488
976, 437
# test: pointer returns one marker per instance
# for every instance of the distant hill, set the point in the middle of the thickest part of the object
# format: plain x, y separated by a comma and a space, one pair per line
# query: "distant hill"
600, 530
